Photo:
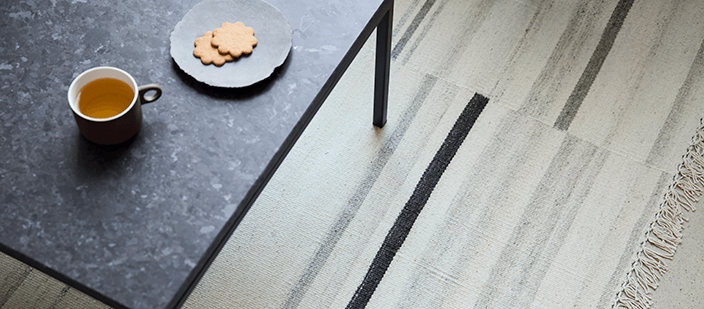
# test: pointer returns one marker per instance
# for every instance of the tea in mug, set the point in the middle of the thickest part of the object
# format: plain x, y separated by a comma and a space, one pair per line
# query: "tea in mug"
104, 98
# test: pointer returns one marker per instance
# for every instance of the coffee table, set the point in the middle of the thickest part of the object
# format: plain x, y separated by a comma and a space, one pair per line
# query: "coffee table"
136, 225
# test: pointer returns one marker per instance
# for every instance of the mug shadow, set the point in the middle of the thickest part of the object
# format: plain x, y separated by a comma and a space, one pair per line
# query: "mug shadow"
95, 161
242, 93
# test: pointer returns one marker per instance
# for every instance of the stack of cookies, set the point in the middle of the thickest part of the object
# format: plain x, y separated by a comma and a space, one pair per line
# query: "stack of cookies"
225, 44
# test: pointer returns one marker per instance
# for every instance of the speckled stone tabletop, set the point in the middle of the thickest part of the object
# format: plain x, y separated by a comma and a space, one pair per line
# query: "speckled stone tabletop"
132, 222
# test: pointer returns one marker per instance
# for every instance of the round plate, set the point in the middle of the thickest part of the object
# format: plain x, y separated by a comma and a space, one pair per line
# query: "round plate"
271, 28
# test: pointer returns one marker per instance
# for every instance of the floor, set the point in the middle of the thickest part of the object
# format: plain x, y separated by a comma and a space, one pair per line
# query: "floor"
519, 55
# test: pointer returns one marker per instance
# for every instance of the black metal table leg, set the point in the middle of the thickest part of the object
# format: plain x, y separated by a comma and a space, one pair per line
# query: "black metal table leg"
383, 65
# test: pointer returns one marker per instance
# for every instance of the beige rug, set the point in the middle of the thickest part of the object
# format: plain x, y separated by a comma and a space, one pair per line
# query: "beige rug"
533, 158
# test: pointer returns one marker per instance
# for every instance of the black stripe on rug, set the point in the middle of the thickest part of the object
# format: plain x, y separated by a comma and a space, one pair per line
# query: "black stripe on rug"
380, 160
404, 222
569, 111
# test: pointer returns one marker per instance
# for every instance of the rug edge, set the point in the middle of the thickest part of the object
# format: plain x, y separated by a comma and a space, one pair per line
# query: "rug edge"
665, 231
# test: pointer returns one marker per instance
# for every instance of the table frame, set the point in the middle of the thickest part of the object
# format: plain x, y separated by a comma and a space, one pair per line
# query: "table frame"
382, 21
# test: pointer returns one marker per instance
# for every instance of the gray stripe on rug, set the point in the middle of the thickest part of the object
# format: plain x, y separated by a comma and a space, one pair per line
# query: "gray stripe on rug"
695, 78
639, 72
401, 21
496, 164
417, 201
579, 92
423, 33
541, 13
467, 32
461, 38
564, 57
612, 288
338, 229
60, 297
12, 281
412, 28
543, 227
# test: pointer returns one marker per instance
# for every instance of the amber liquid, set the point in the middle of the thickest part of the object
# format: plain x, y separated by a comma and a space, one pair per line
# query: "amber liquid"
104, 98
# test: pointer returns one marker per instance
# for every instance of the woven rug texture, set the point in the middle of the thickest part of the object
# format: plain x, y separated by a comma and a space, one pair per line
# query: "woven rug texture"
538, 154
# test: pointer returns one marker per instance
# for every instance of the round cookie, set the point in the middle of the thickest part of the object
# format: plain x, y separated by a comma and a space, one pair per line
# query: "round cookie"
234, 39
209, 54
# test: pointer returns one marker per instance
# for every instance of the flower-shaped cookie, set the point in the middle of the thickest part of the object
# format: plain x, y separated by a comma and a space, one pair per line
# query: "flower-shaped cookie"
208, 53
234, 39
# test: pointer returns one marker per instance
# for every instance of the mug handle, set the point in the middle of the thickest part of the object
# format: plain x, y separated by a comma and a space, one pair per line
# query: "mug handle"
146, 88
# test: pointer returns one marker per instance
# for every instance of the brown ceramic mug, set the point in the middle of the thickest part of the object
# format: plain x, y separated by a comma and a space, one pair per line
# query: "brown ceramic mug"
122, 123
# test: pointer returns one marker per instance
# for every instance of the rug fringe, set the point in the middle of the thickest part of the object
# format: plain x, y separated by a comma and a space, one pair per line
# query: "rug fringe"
665, 232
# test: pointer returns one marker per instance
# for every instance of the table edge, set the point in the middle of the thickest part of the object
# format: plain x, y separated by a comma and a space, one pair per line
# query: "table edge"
221, 239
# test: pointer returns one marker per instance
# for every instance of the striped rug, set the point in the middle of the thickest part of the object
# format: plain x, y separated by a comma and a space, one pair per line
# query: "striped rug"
538, 154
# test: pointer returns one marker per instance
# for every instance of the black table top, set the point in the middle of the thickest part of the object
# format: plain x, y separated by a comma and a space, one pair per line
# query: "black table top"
133, 224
